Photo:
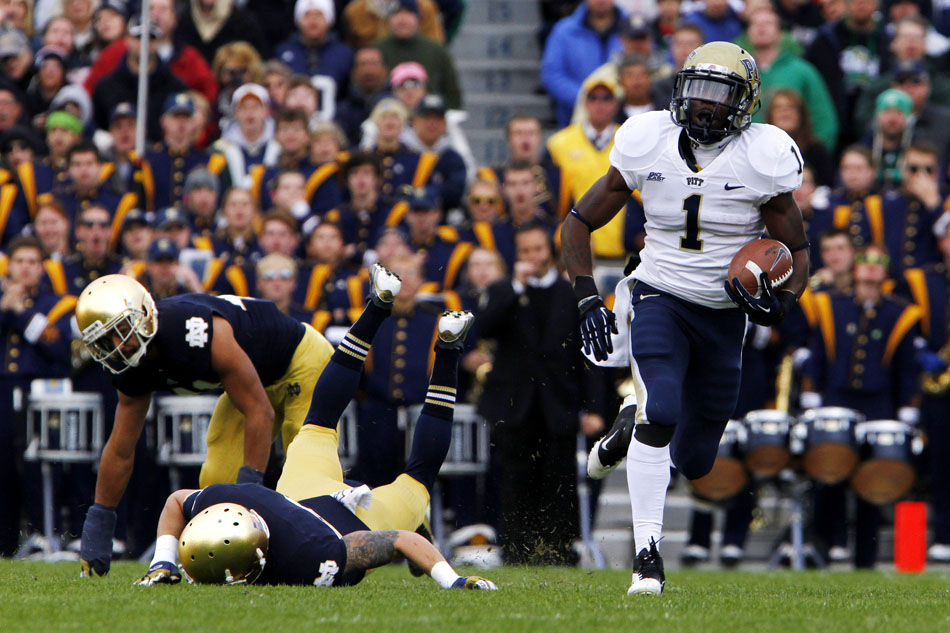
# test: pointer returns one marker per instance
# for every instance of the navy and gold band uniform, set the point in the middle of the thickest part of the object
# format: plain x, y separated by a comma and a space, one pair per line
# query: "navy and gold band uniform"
863, 357
449, 178
73, 273
445, 256
498, 236
235, 250
908, 234
163, 173
37, 177
395, 375
223, 278
321, 190
929, 288
202, 231
405, 167
14, 214
288, 355
362, 227
36, 342
335, 294
138, 270
305, 544
554, 194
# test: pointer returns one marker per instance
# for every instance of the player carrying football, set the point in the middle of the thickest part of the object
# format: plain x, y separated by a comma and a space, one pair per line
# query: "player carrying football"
710, 181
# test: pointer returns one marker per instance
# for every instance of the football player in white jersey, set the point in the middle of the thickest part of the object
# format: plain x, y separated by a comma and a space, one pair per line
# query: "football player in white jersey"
710, 182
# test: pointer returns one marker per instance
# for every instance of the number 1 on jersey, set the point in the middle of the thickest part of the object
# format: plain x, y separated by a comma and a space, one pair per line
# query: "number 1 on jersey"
691, 241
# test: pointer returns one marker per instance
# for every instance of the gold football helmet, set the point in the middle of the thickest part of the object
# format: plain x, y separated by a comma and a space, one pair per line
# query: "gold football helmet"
224, 544
716, 93
117, 318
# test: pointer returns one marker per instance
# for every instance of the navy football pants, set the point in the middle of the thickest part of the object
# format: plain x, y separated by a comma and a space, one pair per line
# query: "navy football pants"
686, 368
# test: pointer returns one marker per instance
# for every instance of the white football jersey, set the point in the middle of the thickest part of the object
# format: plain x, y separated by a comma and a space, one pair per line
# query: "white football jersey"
697, 221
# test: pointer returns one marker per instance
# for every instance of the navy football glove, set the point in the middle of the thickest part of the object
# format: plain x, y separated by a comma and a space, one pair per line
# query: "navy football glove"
248, 475
597, 322
162, 572
96, 549
474, 582
769, 308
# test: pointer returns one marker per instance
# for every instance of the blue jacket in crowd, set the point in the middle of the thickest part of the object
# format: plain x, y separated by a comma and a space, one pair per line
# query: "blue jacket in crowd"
333, 58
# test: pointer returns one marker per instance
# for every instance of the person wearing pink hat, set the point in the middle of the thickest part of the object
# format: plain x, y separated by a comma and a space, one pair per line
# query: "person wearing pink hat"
314, 48
409, 83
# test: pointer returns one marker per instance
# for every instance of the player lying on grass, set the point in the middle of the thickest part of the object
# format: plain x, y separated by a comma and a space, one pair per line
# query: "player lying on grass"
334, 534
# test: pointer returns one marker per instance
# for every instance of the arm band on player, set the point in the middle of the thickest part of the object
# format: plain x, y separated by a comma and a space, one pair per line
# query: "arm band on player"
590, 229
801, 247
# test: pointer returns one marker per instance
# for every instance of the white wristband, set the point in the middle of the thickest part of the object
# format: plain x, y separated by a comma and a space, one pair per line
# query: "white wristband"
166, 549
443, 574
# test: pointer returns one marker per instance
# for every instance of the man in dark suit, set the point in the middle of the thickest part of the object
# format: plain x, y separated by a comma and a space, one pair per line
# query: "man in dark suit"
533, 398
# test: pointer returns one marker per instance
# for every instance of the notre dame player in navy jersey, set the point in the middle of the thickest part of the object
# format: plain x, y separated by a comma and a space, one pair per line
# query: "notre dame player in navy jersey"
316, 529
266, 362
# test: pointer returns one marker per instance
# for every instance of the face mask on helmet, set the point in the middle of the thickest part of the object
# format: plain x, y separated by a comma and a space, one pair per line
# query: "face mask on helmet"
117, 317
118, 345
224, 544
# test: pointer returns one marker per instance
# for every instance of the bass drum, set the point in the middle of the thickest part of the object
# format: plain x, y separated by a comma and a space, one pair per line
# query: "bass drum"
728, 476
886, 473
827, 438
767, 445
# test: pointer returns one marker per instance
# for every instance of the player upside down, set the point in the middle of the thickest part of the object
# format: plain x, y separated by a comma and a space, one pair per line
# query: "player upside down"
315, 529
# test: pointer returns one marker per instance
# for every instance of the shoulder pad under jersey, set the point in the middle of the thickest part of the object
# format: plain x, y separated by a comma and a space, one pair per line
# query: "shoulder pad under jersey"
775, 162
635, 144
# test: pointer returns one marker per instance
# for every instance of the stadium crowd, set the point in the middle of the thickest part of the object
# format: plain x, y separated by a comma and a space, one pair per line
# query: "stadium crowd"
291, 144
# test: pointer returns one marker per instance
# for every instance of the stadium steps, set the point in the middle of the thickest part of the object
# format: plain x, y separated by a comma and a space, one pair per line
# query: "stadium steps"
498, 60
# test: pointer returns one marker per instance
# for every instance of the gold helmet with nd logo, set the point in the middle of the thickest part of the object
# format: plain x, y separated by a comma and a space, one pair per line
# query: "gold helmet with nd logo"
117, 318
224, 544
716, 92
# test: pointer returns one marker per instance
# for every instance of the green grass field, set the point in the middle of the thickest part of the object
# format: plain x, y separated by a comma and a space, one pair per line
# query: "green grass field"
40, 597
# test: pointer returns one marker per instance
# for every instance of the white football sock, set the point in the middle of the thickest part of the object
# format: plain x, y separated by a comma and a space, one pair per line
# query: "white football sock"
648, 476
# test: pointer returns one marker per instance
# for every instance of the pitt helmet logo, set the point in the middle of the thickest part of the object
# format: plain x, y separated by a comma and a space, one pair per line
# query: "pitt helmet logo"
694, 182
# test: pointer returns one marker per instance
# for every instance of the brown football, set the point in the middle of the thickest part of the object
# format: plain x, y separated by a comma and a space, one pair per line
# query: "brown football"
760, 256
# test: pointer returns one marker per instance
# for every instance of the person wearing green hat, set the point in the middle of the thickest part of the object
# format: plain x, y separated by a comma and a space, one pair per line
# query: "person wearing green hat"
890, 134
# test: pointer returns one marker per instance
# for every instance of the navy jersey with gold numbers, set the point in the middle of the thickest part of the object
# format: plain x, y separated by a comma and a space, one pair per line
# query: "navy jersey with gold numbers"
305, 546
179, 357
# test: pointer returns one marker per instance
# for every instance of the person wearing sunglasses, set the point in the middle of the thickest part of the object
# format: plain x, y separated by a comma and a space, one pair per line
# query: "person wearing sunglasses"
863, 357
276, 281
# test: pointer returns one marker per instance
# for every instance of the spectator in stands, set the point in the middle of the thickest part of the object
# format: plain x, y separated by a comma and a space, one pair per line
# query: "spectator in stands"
636, 38
890, 135
184, 61
364, 214
780, 67
849, 53
717, 19
84, 188
121, 141
787, 110
857, 194
664, 24
293, 143
235, 64
248, 140
276, 78
53, 229
314, 49
201, 201
802, 19
401, 166
16, 58
686, 38
366, 21
578, 45
210, 24
931, 118
288, 198
108, 22
837, 261
405, 44
440, 248
409, 83
50, 77
58, 31
639, 93
135, 238
487, 226
92, 258
582, 151
163, 276
520, 193
429, 133
237, 238
80, 15
324, 281
533, 397
34, 331
63, 130
11, 105
367, 87
121, 85
17, 14
276, 281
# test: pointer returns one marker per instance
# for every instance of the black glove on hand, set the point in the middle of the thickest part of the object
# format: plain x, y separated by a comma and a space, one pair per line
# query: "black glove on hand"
95, 551
248, 475
769, 308
597, 322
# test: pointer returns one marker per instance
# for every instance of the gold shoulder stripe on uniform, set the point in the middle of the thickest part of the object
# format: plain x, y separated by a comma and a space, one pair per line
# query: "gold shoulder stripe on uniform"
256, 175
448, 233
397, 213
126, 204
106, 171
458, 257
452, 300
57, 275
917, 281
7, 196
354, 289
909, 316
215, 266
148, 185
235, 275
28, 185
202, 243
875, 218
320, 321
484, 235
826, 322
888, 285
807, 302
842, 216
429, 287
137, 269
217, 163
4, 176
318, 277
4, 263
317, 178
424, 167
63, 307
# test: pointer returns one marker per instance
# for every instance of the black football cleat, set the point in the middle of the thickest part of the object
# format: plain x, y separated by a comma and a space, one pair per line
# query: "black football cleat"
609, 451
648, 576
